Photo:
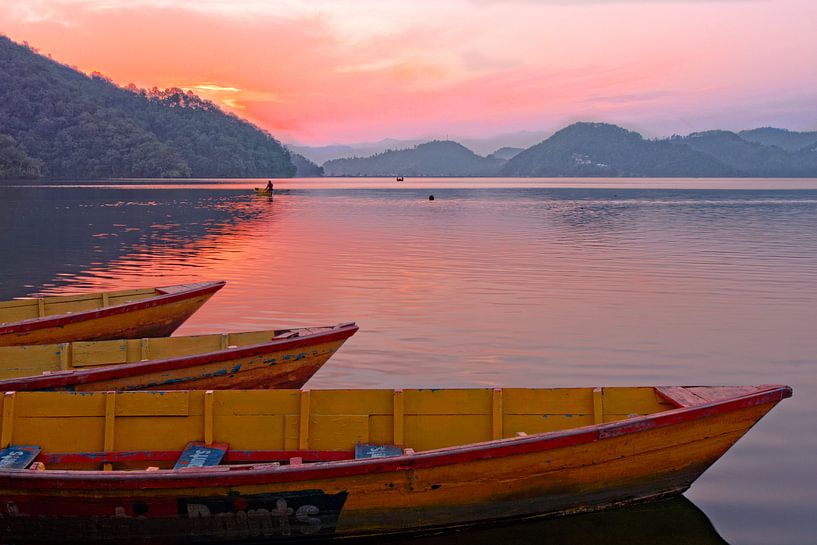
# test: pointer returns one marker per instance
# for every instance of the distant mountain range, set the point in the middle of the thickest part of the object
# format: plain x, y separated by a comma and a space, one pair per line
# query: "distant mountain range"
57, 122
481, 146
437, 158
600, 149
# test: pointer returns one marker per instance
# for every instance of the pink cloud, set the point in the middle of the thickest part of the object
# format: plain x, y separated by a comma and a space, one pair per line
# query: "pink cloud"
320, 72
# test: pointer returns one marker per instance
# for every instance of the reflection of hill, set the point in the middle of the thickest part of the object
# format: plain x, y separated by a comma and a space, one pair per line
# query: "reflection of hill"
672, 522
47, 232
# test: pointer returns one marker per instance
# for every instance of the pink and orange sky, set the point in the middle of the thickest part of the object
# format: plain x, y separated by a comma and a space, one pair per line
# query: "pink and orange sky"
334, 71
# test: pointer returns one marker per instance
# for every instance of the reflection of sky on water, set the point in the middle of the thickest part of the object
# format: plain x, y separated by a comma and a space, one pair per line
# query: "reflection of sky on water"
515, 287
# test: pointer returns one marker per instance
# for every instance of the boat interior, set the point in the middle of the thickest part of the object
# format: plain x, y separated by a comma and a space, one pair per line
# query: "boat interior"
29, 308
139, 431
29, 360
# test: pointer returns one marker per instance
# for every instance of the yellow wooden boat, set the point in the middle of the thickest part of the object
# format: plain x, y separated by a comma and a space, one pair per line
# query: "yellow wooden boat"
153, 312
261, 192
284, 358
250, 466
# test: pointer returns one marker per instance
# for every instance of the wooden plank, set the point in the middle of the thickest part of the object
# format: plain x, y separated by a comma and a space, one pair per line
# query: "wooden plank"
110, 421
266, 432
303, 435
28, 360
625, 401
8, 419
424, 432
257, 402
534, 423
448, 401
381, 429
681, 396
717, 393
292, 423
352, 402
40, 307
336, 432
398, 426
598, 406
496, 413
65, 356
60, 404
145, 349
548, 400
154, 404
208, 417
90, 353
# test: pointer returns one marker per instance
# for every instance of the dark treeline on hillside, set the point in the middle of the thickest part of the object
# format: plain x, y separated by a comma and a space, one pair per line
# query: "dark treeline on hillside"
63, 123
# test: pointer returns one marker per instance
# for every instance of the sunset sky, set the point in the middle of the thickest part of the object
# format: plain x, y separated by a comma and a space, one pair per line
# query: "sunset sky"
342, 71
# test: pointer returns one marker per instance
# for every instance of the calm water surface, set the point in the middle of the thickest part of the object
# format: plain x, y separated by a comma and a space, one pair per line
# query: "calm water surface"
495, 283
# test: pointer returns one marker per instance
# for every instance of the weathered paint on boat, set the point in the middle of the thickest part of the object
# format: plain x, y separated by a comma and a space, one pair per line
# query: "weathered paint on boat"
478, 456
257, 359
100, 316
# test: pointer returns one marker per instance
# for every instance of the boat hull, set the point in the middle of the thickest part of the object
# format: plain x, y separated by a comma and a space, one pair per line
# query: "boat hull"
585, 469
284, 363
156, 317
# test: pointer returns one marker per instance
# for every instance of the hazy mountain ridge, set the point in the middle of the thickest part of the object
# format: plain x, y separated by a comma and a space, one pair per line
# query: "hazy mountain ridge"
751, 158
304, 168
600, 149
782, 138
435, 158
78, 126
506, 153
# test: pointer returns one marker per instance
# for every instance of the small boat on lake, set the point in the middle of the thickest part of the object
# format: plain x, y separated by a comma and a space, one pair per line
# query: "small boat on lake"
152, 312
261, 192
238, 466
257, 359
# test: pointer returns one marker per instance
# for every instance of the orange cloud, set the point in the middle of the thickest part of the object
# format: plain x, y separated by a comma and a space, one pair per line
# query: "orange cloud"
342, 70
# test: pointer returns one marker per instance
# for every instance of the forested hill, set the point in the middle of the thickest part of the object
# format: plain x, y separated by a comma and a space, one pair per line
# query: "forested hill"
58, 122
436, 158
600, 149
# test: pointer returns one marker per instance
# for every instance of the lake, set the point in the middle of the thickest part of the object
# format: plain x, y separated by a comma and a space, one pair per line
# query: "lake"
494, 283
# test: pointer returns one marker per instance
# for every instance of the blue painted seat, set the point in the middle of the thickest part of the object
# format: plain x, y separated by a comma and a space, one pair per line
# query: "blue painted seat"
198, 454
368, 450
18, 456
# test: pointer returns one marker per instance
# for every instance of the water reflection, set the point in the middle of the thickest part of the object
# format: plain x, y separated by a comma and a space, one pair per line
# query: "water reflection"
502, 286
671, 522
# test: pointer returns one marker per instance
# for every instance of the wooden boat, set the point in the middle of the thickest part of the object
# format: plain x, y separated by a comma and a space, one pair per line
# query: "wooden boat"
153, 312
256, 359
147, 466
261, 192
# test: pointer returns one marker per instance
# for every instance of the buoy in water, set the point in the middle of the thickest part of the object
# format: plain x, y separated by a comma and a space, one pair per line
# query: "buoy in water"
431, 197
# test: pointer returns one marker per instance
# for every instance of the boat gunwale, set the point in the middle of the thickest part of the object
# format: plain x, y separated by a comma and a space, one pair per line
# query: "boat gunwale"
57, 320
271, 473
58, 379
